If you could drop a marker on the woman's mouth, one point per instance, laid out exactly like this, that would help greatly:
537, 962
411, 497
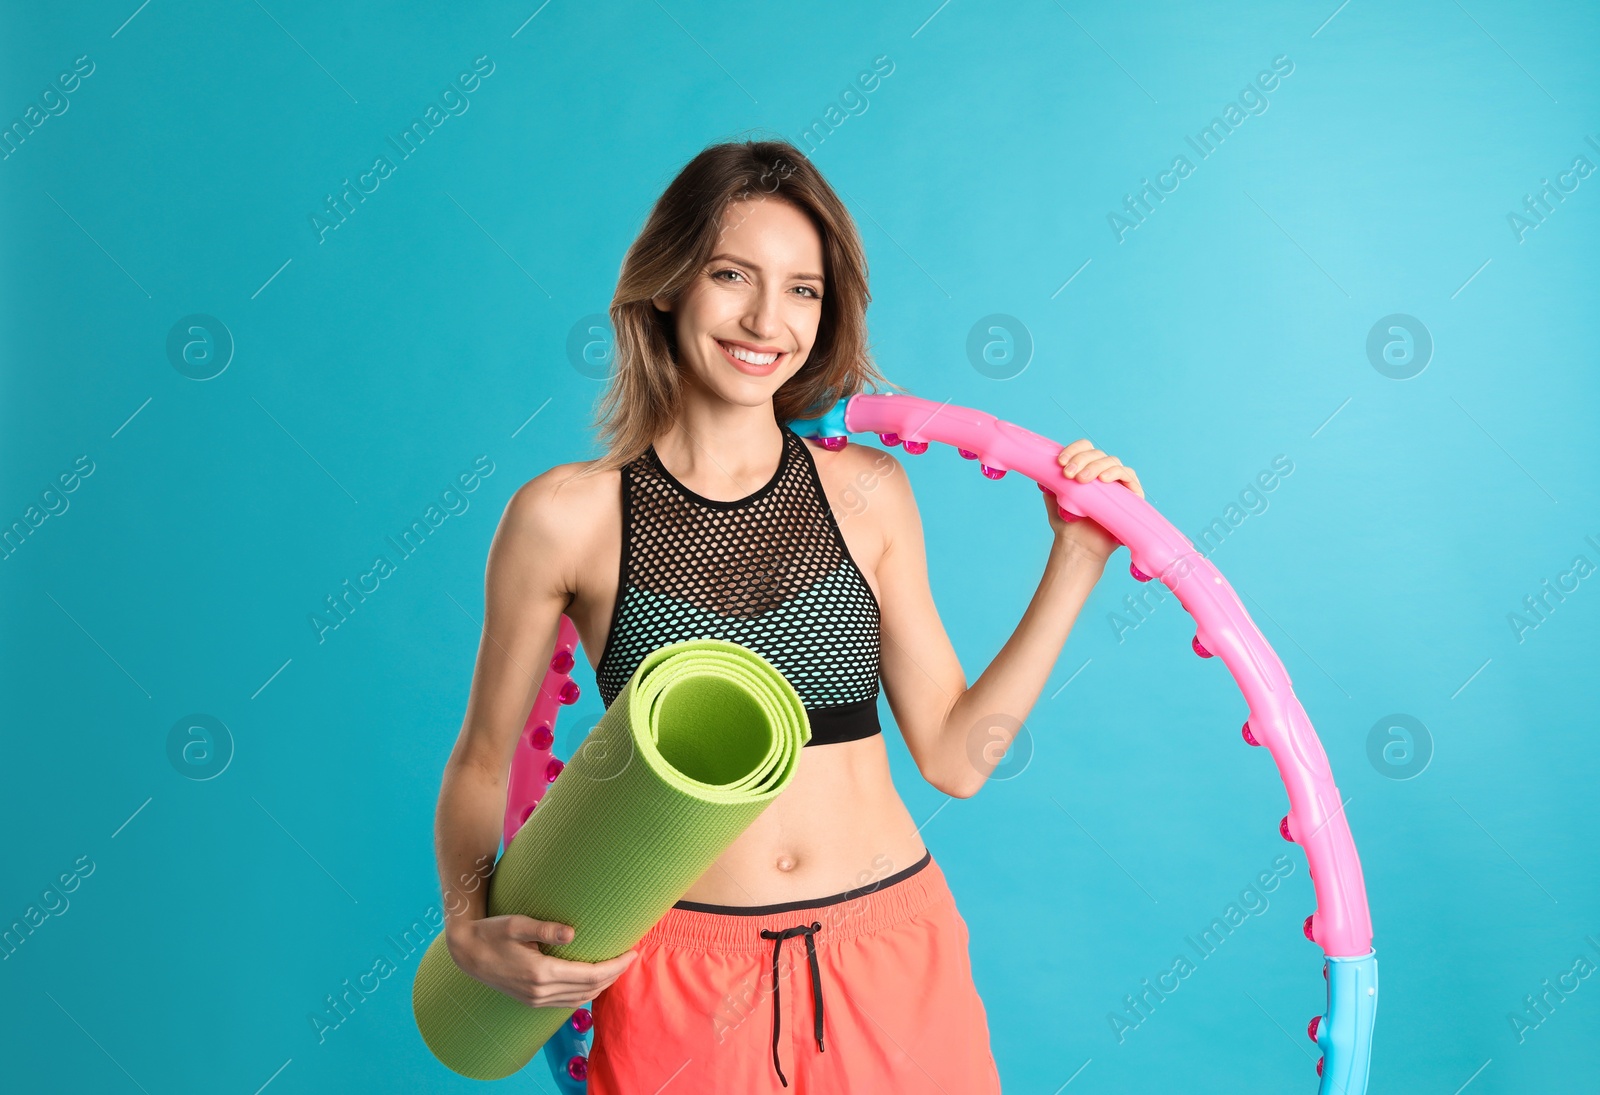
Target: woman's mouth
762, 365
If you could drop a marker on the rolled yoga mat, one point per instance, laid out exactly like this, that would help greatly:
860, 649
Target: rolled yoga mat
699, 741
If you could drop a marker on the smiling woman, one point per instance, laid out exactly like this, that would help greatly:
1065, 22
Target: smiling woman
741, 307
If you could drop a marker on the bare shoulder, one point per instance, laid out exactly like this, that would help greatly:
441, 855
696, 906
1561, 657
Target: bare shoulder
856, 467
564, 493
867, 485
559, 514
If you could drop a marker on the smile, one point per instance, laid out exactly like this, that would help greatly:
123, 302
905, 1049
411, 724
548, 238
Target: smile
748, 361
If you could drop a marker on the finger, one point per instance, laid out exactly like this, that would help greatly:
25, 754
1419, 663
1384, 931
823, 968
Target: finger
1076, 462
1083, 444
528, 930
582, 976
566, 973
1093, 467
1125, 475
613, 967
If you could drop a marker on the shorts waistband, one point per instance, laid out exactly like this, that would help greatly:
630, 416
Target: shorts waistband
861, 910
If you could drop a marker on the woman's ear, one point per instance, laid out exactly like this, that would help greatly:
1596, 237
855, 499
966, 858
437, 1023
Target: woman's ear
662, 304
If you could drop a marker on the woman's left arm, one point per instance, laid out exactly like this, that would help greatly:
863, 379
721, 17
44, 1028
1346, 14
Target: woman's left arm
958, 735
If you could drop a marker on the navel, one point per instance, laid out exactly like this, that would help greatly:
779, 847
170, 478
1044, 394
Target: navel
786, 862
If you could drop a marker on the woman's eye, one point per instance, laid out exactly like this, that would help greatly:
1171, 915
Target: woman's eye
716, 275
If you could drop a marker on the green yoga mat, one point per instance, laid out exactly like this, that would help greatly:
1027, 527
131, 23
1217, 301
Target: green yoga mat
701, 739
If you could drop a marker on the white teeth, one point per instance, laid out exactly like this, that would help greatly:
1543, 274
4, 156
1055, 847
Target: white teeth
745, 355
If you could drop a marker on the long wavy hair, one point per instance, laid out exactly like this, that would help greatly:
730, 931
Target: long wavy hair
645, 390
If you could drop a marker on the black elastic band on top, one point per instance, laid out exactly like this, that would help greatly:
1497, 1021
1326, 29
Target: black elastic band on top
843, 722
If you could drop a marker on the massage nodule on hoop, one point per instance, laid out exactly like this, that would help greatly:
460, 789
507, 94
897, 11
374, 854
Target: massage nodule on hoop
1341, 923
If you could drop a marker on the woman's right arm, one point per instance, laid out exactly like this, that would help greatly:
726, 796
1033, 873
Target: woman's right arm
527, 587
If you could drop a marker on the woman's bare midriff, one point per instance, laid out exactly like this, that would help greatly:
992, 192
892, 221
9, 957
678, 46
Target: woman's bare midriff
840, 823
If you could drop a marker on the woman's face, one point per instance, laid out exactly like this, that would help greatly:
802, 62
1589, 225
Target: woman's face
760, 296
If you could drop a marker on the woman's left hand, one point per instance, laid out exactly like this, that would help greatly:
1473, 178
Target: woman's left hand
1085, 463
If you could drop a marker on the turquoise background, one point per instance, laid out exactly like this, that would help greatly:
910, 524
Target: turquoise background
432, 328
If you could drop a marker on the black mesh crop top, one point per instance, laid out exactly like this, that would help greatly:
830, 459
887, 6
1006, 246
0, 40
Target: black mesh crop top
769, 571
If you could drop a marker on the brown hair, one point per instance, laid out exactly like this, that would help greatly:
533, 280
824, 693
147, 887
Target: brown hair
645, 391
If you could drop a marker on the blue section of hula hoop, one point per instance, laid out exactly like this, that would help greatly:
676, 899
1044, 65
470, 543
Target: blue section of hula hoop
1345, 1033
828, 425
564, 1045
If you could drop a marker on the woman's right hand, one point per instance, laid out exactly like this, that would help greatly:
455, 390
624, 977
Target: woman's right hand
503, 952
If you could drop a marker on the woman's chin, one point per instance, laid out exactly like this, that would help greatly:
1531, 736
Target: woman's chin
742, 389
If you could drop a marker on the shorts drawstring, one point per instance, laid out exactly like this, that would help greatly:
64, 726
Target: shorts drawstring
808, 930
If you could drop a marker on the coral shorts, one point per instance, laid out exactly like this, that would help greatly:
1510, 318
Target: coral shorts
873, 992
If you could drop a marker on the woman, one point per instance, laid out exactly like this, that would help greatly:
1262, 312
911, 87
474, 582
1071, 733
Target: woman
742, 306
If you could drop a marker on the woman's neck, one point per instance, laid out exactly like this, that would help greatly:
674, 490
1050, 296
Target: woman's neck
723, 454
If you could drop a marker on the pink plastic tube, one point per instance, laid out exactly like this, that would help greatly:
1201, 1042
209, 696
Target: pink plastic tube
1341, 924
533, 766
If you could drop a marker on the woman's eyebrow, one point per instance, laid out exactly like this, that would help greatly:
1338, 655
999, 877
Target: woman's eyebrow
753, 266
